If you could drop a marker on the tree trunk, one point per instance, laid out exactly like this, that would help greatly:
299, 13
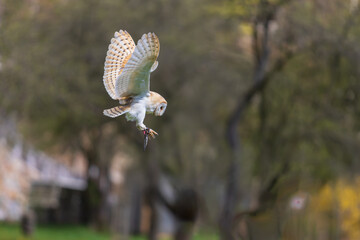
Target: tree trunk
152, 235
261, 56
95, 207
185, 208
90, 197
152, 174
230, 201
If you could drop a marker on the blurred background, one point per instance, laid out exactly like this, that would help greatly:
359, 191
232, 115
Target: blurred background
260, 140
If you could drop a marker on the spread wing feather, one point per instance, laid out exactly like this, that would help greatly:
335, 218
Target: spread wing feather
135, 77
119, 52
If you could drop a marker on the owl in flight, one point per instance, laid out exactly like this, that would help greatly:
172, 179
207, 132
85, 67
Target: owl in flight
127, 78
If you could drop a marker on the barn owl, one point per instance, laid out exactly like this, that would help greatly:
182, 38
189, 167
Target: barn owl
127, 78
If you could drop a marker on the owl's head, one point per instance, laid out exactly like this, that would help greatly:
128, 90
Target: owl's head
159, 103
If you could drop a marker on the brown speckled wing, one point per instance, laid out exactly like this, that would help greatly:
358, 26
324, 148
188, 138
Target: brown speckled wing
118, 54
135, 77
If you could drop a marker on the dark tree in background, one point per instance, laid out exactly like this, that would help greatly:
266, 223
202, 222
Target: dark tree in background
277, 78
265, 14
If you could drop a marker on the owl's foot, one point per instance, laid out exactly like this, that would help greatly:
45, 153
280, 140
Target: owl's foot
149, 131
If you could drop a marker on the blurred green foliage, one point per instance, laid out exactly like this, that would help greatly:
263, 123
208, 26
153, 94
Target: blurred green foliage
307, 116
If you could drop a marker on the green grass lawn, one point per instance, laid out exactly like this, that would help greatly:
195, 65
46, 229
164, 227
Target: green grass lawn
12, 232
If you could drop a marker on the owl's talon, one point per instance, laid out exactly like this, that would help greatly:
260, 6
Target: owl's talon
152, 133
149, 131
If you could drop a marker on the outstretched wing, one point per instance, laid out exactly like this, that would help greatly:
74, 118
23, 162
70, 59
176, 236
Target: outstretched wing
135, 77
120, 50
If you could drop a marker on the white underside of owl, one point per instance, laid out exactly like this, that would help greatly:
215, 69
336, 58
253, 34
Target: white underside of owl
139, 107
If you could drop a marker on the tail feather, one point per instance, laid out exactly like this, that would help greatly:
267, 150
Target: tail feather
116, 111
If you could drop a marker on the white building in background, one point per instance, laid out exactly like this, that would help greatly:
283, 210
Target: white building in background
25, 173
31, 179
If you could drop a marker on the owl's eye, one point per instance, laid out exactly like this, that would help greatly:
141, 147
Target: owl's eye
161, 108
